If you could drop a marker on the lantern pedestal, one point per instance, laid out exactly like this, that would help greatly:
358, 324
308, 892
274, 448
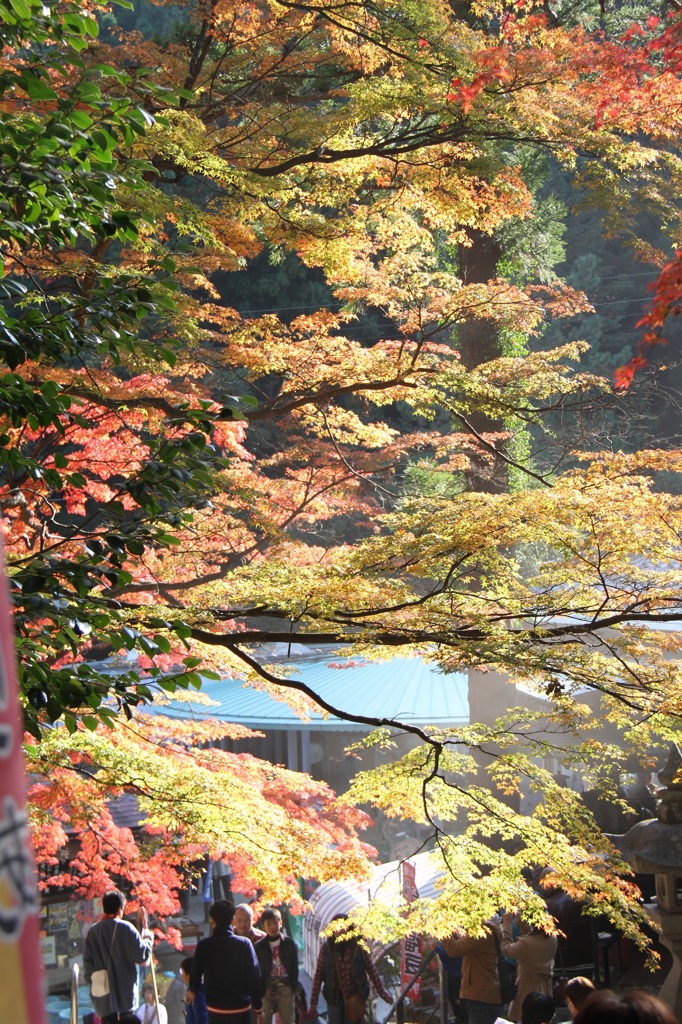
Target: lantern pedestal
669, 927
654, 847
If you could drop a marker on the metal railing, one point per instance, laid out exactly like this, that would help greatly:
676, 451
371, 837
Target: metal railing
74, 994
398, 1005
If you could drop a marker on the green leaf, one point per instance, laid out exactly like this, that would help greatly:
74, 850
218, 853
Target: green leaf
162, 643
168, 356
81, 119
78, 43
37, 89
21, 8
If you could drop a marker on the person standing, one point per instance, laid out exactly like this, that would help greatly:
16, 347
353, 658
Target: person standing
207, 895
480, 980
174, 1000
115, 946
343, 973
278, 960
222, 879
196, 1012
452, 969
534, 952
242, 923
228, 966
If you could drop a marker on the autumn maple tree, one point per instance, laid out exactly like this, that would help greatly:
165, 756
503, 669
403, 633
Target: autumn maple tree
277, 825
660, 52
179, 479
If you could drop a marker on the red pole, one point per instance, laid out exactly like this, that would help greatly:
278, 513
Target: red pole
22, 993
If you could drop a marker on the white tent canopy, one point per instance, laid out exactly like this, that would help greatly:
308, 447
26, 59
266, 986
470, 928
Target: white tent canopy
334, 898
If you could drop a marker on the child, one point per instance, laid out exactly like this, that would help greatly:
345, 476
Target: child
196, 1012
278, 959
146, 1012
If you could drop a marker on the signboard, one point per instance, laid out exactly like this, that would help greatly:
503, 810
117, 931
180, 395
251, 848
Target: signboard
22, 990
48, 951
410, 947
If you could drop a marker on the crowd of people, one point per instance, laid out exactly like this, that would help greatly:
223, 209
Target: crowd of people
238, 975
482, 992
241, 974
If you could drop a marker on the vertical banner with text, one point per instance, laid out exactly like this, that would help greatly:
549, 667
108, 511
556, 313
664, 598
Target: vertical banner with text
410, 947
22, 990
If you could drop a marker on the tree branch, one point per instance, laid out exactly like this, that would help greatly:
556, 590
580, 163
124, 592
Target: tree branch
295, 684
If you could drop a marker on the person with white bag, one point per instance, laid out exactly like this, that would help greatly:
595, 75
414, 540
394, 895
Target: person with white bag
113, 949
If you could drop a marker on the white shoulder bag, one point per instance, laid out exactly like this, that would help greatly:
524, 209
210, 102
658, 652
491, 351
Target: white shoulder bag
99, 980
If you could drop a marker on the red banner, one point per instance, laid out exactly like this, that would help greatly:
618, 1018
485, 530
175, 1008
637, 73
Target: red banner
410, 947
22, 991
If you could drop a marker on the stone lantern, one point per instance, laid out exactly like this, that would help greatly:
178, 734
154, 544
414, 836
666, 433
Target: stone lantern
654, 847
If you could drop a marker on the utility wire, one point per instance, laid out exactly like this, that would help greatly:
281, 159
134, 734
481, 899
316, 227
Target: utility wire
339, 303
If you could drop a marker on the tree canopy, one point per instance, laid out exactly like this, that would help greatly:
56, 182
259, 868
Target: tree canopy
187, 483
277, 826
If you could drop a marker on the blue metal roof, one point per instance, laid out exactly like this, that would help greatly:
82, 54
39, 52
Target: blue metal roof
406, 689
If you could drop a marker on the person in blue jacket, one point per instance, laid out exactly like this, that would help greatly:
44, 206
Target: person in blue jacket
196, 1012
115, 946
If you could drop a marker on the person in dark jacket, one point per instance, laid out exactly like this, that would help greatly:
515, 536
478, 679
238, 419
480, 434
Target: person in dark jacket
115, 946
278, 960
452, 968
227, 964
